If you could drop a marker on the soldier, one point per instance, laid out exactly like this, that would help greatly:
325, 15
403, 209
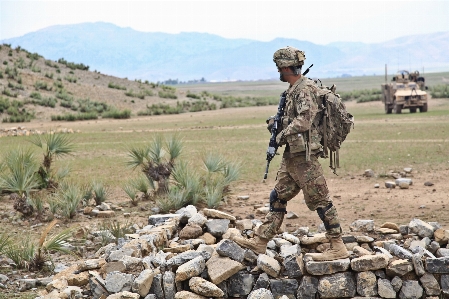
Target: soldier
300, 169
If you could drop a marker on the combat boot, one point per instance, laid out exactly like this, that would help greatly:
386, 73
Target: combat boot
336, 251
256, 244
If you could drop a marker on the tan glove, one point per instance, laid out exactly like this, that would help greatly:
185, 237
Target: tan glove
270, 123
280, 138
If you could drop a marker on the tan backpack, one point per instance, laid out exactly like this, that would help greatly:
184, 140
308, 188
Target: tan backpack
333, 122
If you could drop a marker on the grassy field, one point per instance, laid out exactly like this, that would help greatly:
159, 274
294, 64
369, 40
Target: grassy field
378, 141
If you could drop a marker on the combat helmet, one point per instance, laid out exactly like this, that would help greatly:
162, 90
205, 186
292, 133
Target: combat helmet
288, 56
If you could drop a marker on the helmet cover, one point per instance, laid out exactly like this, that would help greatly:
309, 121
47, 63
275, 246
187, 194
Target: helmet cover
288, 56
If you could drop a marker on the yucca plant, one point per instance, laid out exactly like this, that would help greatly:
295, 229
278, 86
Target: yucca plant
131, 192
5, 241
173, 200
117, 229
187, 178
213, 192
69, 196
155, 161
145, 185
18, 177
29, 255
55, 146
100, 192
38, 204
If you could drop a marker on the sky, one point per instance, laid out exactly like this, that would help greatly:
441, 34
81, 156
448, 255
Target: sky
317, 21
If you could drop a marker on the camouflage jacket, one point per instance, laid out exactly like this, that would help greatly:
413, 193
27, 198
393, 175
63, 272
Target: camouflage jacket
300, 112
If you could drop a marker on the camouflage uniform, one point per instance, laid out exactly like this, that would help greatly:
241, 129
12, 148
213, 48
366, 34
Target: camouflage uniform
300, 168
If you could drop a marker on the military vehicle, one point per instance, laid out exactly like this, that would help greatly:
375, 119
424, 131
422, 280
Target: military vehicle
407, 91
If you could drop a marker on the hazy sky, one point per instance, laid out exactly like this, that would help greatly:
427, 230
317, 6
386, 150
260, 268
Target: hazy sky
317, 21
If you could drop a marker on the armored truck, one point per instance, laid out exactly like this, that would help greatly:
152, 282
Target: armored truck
406, 91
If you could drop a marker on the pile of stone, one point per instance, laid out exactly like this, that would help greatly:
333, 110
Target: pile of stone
189, 254
22, 131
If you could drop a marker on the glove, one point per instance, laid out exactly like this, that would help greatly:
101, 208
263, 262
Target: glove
270, 123
280, 138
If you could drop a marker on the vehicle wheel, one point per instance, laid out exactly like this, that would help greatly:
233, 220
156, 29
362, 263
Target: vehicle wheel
412, 110
397, 109
388, 109
423, 108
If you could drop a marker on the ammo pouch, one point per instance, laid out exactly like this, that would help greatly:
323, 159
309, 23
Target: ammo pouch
296, 143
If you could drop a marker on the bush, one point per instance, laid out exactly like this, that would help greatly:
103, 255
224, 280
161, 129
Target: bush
167, 95
42, 85
116, 86
49, 75
70, 79
73, 66
75, 117
439, 91
46, 102
9, 93
15, 86
193, 95
117, 114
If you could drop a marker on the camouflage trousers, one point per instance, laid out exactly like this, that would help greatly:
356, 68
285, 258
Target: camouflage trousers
294, 175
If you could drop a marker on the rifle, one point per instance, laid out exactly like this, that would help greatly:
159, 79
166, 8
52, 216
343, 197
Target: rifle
272, 145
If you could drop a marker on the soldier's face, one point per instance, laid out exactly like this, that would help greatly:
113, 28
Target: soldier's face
282, 71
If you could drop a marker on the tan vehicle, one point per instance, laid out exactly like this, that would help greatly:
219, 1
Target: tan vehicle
407, 91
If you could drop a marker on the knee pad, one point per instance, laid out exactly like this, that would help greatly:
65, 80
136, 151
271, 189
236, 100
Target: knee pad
274, 198
323, 214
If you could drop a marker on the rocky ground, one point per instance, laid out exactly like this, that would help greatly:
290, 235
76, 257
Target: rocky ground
188, 254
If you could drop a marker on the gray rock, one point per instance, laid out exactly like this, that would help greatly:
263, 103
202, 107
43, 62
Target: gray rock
97, 285
186, 256
260, 294
369, 173
390, 184
44, 280
327, 267
230, 249
268, 265
118, 282
192, 268
362, 226
217, 227
161, 218
385, 289
221, 268
156, 287
349, 239
366, 284
418, 264
403, 229
404, 180
369, 262
26, 284
430, 284
289, 250
383, 251
284, 287
337, 285
421, 228
442, 252
437, 265
444, 283
3, 278
263, 282
150, 296
293, 266
282, 242
250, 256
205, 288
410, 290
396, 283
399, 268
380, 273
197, 219
400, 252
308, 287
433, 247
240, 284
168, 284
142, 283
186, 213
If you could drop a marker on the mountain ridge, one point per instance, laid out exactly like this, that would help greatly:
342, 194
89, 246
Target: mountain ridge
157, 56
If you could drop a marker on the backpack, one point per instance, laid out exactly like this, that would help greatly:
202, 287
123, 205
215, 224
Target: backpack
333, 123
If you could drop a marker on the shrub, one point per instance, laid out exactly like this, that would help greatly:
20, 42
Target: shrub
9, 93
116, 86
167, 95
69, 196
193, 95
440, 91
100, 192
49, 75
75, 117
42, 85
15, 86
117, 114
70, 79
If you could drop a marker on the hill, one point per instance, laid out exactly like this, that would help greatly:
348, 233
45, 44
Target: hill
35, 87
187, 56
